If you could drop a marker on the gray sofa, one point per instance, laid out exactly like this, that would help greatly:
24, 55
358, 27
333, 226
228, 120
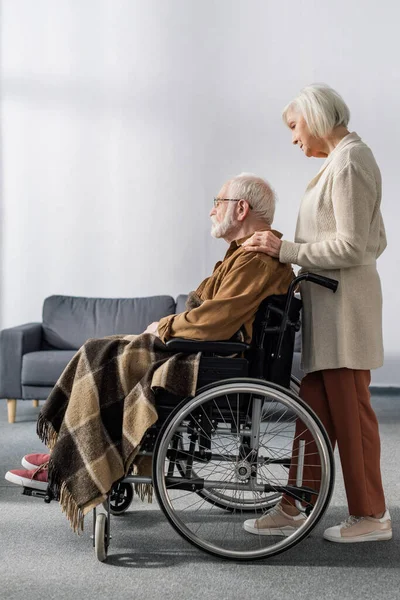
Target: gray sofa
33, 356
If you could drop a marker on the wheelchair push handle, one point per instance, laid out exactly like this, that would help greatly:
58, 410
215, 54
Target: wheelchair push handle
327, 282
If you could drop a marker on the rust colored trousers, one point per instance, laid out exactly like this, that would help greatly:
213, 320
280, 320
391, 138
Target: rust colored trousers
341, 399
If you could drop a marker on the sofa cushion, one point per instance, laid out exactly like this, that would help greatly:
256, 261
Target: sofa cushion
44, 367
69, 321
181, 303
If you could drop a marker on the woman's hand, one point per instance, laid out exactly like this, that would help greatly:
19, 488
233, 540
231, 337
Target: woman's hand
263, 241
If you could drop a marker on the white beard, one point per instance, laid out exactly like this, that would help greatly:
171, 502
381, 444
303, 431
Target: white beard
219, 230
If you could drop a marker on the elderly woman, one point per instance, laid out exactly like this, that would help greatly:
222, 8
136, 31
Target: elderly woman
339, 234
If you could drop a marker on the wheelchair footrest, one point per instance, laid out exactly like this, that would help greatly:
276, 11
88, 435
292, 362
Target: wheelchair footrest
47, 497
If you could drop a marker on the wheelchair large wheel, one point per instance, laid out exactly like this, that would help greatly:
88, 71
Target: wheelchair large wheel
234, 439
295, 384
229, 501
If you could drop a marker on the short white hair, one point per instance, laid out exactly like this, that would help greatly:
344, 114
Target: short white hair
322, 107
257, 192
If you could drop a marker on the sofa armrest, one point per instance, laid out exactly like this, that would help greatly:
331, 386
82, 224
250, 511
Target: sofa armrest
14, 343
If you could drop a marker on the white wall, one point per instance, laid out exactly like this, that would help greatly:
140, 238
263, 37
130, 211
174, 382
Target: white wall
122, 118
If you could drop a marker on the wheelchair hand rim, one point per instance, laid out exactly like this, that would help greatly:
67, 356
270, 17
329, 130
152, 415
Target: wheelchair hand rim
285, 396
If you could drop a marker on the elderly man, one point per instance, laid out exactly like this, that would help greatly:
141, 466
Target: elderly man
227, 301
99, 410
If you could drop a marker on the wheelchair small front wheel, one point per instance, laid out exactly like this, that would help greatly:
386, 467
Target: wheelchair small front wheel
121, 497
235, 441
101, 537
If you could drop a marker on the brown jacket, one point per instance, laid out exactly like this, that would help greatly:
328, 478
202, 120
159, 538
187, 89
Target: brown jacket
230, 297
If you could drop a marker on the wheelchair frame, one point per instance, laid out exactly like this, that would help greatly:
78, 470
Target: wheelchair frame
268, 362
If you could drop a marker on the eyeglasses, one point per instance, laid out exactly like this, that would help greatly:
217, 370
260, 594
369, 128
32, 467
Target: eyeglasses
218, 200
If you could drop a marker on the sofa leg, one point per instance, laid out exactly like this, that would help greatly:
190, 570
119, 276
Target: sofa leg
35, 403
12, 408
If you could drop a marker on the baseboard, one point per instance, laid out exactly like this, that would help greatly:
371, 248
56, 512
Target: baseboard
388, 390
387, 376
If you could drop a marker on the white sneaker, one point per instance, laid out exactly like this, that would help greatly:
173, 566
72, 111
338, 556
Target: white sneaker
275, 522
361, 529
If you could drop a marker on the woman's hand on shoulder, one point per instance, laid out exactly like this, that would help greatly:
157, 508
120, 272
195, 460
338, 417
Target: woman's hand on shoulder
263, 241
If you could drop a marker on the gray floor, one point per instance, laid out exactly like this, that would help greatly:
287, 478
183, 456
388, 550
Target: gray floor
41, 557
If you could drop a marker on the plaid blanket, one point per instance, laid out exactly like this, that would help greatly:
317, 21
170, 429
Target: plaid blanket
96, 415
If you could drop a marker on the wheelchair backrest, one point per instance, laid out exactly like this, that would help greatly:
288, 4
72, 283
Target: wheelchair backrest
266, 360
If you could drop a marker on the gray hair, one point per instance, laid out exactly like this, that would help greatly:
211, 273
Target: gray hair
257, 192
323, 109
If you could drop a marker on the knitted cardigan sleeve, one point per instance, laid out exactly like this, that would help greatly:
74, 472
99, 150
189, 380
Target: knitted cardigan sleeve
353, 203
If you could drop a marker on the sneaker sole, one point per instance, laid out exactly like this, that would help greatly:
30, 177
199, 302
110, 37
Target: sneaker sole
27, 465
25, 482
279, 531
375, 537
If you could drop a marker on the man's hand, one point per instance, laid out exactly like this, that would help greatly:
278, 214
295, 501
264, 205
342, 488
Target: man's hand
152, 328
263, 241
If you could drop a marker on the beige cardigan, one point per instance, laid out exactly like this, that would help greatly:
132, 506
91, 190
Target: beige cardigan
340, 234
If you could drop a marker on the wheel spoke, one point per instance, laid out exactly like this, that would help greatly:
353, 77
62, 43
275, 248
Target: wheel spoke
234, 479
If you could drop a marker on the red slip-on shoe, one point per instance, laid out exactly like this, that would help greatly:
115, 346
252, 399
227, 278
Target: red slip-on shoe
35, 478
34, 461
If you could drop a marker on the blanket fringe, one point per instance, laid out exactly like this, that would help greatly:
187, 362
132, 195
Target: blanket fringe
72, 511
143, 466
144, 491
46, 431
61, 493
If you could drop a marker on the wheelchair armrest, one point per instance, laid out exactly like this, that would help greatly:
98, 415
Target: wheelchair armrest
184, 345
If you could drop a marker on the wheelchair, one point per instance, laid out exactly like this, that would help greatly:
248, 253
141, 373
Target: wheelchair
223, 456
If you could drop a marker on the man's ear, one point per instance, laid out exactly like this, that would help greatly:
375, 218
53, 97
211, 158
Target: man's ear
242, 210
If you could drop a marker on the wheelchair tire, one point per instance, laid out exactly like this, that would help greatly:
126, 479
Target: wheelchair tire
121, 497
101, 537
295, 384
201, 521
